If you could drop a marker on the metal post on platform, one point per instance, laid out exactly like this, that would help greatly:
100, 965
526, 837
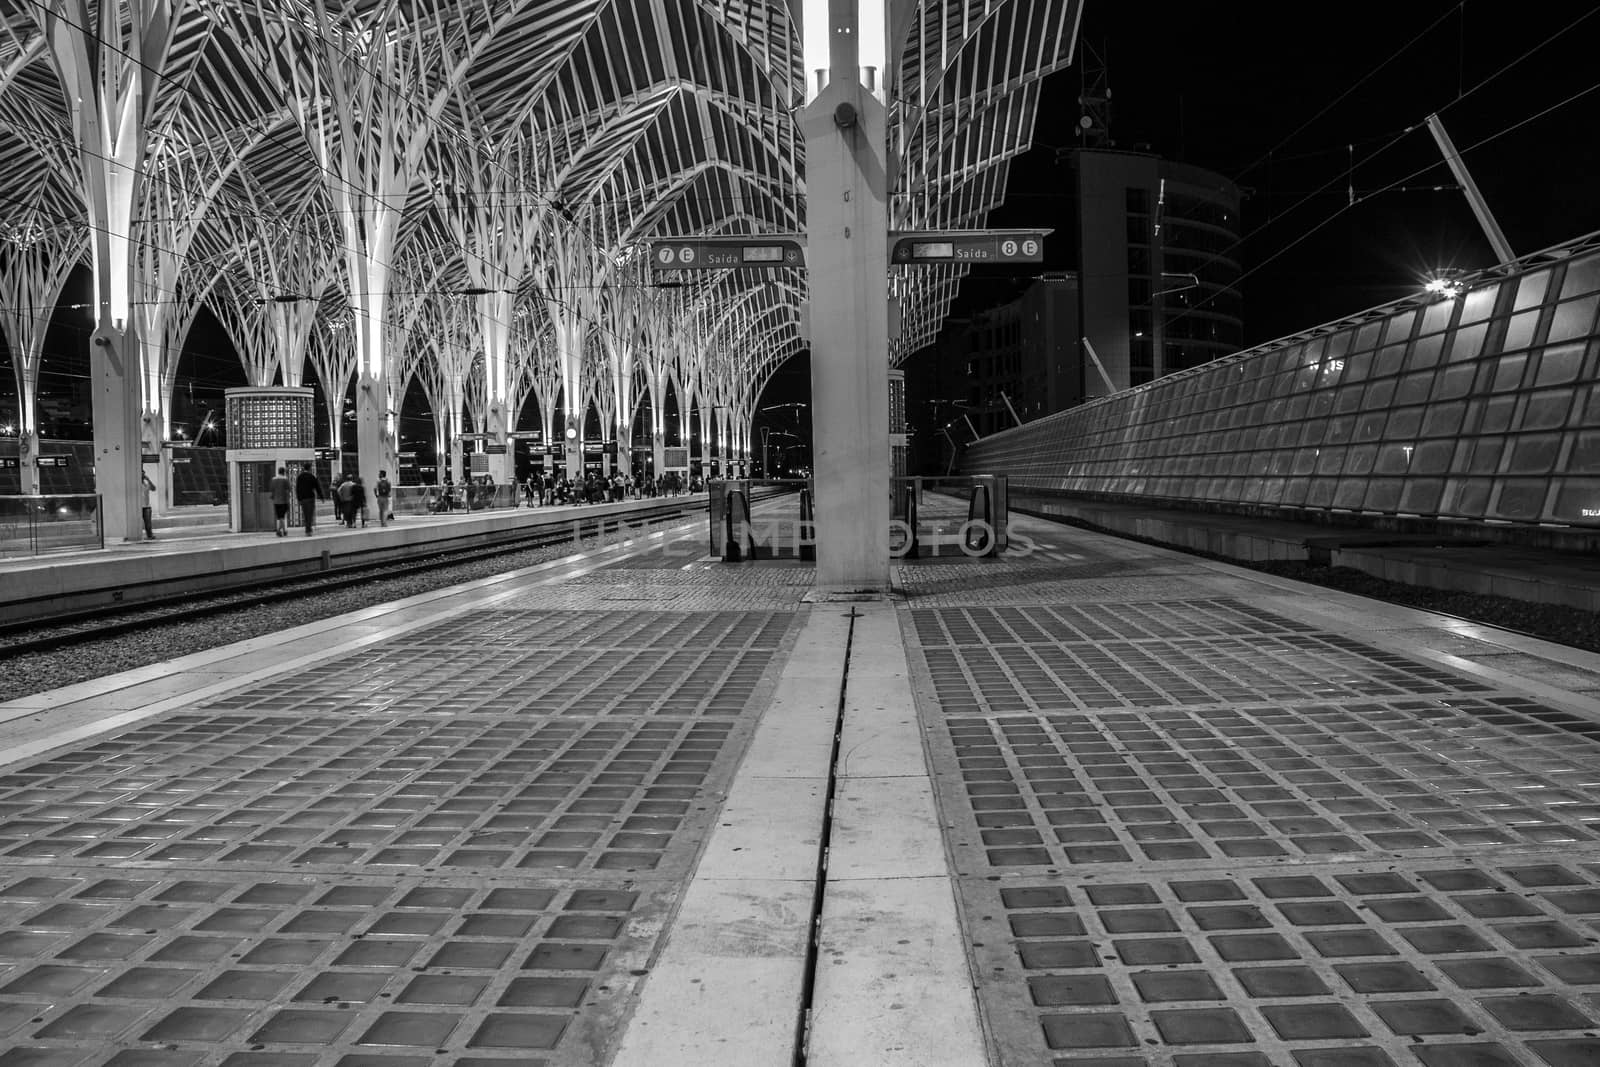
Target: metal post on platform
808, 528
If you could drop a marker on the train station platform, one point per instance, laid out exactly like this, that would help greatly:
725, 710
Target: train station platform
193, 553
1090, 803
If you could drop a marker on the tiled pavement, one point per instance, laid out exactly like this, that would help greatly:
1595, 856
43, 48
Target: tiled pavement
1200, 819
1193, 817
459, 843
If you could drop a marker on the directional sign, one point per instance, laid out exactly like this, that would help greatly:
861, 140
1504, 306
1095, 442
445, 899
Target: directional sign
728, 253
966, 246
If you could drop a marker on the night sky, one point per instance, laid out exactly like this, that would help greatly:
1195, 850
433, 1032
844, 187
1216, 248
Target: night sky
1273, 95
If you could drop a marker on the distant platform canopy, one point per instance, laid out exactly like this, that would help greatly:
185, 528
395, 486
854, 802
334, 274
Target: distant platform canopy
460, 196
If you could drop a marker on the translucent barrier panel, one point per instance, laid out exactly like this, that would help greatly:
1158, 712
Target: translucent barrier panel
1573, 318
1519, 331
1531, 289
1443, 419
1397, 327
1577, 500
1534, 454
1436, 317
1559, 364
1467, 342
1383, 494
1521, 499
1478, 304
1421, 496
1432, 457
1407, 412
1582, 277
1545, 409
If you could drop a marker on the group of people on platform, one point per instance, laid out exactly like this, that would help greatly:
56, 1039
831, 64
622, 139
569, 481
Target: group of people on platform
351, 497
556, 488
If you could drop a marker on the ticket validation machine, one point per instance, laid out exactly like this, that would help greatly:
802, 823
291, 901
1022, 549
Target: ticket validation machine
267, 428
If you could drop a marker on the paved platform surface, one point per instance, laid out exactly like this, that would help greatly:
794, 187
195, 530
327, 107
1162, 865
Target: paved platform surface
1094, 803
1469, 560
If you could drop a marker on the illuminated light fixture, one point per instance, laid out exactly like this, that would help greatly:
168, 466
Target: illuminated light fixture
871, 46
1443, 285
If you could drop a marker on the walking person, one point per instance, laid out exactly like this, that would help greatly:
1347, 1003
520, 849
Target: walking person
279, 489
307, 490
382, 491
345, 502
146, 486
358, 503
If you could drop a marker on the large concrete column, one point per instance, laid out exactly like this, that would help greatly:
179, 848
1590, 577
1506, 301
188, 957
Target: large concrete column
572, 447
152, 443
28, 461
847, 271
114, 385
500, 463
375, 448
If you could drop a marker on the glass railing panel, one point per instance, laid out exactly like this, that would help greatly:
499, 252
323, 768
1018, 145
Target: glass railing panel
36, 525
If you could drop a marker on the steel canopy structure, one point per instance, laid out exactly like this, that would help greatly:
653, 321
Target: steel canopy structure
460, 194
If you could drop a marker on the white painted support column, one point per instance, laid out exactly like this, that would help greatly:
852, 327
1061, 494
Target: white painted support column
114, 384
28, 461
847, 271
375, 449
500, 464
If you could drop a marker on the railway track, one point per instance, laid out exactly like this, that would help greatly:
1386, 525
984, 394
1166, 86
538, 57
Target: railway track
57, 631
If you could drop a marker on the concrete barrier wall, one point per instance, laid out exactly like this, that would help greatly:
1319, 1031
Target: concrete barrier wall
1482, 406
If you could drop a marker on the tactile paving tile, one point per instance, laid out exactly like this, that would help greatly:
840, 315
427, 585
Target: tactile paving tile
366, 791
767, 575
1034, 579
169, 967
1068, 673
1263, 783
1433, 961
1128, 620
724, 588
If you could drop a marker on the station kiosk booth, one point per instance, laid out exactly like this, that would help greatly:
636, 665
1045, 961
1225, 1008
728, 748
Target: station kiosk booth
268, 428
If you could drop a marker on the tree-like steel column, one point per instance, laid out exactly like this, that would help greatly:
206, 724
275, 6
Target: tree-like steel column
105, 64
847, 267
35, 259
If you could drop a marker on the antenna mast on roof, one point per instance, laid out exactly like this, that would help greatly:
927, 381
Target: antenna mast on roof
1094, 97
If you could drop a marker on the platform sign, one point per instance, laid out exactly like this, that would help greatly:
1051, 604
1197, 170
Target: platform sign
494, 448
728, 253
913, 248
55, 461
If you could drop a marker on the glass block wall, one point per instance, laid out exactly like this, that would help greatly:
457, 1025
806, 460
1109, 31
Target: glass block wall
1483, 406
